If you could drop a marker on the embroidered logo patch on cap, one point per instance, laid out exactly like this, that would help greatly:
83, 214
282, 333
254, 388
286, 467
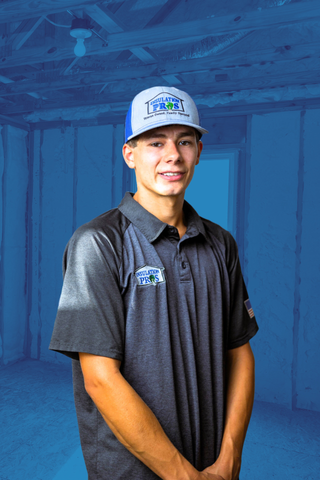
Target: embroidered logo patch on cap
249, 308
164, 102
148, 275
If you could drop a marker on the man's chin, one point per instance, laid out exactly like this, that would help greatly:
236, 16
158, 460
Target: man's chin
172, 194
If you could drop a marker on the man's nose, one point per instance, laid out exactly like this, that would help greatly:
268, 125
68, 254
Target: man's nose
172, 151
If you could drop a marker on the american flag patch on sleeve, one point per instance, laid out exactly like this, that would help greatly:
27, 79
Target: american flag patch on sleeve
249, 308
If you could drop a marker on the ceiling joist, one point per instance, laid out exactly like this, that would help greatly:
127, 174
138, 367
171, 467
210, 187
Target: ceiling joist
124, 93
23, 9
175, 34
137, 46
4, 120
112, 25
307, 55
254, 20
23, 32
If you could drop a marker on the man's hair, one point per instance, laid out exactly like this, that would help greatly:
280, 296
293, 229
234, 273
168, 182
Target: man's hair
134, 141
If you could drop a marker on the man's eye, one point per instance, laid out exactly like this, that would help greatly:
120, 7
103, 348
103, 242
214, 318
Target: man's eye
156, 144
185, 142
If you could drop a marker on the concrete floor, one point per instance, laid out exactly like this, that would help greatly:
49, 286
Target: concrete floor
40, 441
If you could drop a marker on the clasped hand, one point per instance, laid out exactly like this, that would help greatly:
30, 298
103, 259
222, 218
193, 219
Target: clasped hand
222, 469
209, 476
209, 473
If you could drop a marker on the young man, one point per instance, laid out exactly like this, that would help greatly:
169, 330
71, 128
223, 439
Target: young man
156, 317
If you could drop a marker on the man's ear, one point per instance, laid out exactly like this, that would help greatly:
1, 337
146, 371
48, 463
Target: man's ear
128, 155
200, 147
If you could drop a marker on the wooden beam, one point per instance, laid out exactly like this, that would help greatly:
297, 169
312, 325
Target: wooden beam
270, 54
164, 11
108, 22
5, 101
211, 86
18, 10
254, 20
247, 59
7, 81
172, 79
174, 34
112, 24
71, 64
290, 73
261, 108
107, 101
23, 32
277, 66
11, 38
4, 120
258, 83
146, 56
85, 122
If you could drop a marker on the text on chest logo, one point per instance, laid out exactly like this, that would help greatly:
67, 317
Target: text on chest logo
148, 275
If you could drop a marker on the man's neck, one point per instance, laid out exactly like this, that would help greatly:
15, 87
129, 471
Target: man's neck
167, 209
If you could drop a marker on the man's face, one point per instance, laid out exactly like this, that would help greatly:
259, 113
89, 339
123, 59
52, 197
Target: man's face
170, 149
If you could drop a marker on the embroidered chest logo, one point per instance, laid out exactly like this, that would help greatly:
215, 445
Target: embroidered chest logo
148, 275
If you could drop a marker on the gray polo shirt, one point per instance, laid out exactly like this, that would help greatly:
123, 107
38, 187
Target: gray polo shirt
169, 309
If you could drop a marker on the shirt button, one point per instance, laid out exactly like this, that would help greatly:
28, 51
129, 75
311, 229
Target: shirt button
184, 265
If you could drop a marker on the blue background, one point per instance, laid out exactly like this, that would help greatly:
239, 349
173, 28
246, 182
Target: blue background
54, 180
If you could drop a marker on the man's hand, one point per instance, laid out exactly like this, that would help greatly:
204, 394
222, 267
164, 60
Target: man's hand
225, 471
209, 476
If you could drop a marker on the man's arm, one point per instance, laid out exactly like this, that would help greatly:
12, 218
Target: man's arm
132, 421
240, 396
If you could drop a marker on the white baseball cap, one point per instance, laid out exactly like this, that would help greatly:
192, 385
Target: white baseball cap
158, 107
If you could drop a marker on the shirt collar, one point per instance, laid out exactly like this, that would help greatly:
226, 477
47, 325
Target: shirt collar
151, 226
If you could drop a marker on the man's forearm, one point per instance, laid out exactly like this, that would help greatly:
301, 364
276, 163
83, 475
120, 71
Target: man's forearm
240, 397
137, 428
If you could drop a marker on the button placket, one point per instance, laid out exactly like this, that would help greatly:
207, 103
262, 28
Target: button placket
184, 267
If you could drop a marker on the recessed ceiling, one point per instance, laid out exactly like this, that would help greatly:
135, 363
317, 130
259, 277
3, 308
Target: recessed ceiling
228, 55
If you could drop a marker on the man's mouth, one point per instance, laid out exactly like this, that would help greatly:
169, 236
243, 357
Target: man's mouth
172, 175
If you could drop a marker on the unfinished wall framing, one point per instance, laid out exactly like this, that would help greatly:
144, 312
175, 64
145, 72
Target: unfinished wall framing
54, 180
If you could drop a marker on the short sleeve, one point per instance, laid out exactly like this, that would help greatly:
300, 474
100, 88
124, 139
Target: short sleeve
242, 325
90, 315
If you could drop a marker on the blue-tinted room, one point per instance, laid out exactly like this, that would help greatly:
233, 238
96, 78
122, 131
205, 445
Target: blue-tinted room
69, 70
